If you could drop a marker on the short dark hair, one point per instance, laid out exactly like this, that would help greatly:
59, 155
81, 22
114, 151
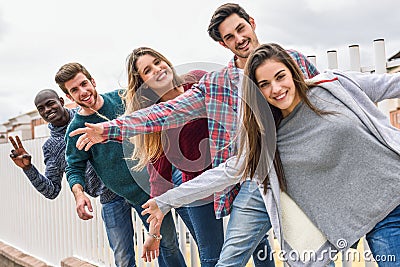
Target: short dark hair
48, 91
69, 71
221, 14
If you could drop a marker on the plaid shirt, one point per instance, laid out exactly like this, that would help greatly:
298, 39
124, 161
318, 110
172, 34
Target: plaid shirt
215, 98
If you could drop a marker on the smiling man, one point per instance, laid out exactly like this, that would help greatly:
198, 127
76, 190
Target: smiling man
109, 160
114, 208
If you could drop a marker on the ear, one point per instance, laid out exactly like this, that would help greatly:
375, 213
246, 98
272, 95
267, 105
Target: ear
252, 23
222, 43
69, 97
61, 101
93, 82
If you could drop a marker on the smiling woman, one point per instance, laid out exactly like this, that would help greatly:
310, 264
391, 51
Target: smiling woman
152, 79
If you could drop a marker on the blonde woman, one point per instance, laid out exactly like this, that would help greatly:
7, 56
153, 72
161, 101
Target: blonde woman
152, 79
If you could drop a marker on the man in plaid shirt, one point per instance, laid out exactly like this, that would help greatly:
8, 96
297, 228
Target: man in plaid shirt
217, 97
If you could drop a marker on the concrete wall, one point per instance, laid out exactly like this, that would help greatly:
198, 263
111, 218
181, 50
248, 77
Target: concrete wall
12, 257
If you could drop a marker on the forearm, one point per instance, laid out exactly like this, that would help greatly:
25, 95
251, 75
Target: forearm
48, 186
378, 87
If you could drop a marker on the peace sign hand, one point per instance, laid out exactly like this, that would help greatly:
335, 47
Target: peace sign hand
19, 155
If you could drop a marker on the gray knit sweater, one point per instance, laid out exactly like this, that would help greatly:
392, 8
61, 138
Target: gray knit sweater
49, 184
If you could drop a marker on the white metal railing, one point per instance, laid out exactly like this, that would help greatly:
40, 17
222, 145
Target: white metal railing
50, 230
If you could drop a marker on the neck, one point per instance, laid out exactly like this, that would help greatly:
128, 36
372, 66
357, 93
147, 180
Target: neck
240, 62
171, 94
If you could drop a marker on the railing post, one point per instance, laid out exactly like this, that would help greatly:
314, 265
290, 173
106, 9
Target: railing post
332, 59
379, 56
355, 64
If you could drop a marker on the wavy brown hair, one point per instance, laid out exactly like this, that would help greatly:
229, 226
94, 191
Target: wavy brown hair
258, 141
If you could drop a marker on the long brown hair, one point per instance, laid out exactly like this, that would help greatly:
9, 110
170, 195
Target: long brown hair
258, 138
148, 147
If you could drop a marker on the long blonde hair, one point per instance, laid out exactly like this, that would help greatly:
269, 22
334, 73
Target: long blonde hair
148, 147
258, 135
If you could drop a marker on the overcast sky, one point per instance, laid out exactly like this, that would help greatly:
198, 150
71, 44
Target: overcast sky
37, 37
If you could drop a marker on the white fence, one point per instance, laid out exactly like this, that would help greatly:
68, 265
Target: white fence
50, 230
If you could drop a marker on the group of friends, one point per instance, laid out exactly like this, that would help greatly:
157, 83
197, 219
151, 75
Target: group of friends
264, 138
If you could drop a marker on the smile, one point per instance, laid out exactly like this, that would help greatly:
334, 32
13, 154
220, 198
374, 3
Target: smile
161, 76
281, 96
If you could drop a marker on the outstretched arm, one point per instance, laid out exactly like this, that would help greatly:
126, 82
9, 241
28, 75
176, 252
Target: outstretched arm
165, 115
209, 182
377, 87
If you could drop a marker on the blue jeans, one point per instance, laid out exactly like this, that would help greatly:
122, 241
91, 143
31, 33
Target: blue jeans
209, 233
118, 221
247, 229
206, 230
117, 218
384, 240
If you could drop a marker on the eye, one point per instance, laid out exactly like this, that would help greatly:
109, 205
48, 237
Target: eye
281, 76
157, 61
263, 85
229, 37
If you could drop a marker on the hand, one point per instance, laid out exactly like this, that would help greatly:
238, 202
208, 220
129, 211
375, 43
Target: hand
19, 155
151, 249
91, 134
82, 201
156, 215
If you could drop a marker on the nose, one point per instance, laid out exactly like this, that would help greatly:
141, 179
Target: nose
47, 109
275, 87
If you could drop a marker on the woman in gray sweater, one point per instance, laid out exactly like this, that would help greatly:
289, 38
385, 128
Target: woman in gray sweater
339, 156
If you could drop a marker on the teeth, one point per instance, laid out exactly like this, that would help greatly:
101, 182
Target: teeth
243, 45
51, 115
162, 75
86, 99
279, 97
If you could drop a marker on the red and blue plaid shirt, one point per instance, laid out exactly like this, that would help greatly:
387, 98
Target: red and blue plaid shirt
215, 98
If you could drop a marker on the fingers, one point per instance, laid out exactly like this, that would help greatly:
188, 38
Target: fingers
88, 145
149, 255
144, 212
83, 214
13, 142
77, 131
19, 143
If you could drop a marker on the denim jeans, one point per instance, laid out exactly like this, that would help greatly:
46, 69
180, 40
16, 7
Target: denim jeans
207, 231
247, 229
118, 222
384, 240
117, 218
